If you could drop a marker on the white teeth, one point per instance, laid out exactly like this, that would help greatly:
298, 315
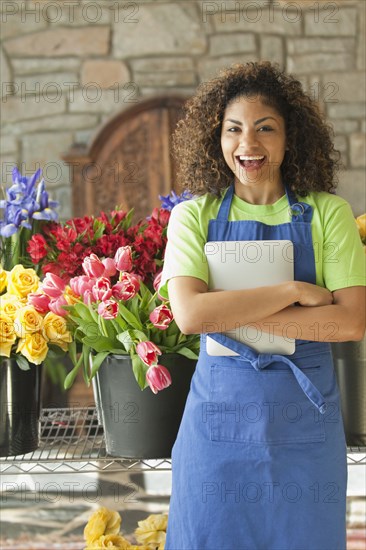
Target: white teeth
243, 157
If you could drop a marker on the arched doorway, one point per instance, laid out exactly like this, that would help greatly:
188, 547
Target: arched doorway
129, 161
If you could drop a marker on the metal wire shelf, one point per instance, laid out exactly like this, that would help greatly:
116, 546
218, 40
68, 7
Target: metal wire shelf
72, 441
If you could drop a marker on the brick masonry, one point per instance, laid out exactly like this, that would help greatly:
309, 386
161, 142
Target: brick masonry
66, 67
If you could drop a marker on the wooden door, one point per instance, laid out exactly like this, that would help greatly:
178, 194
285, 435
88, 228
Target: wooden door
129, 162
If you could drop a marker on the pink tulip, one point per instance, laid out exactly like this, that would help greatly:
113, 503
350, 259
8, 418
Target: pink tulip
127, 287
148, 353
88, 297
161, 317
102, 289
123, 258
56, 304
108, 309
53, 285
158, 377
110, 267
93, 266
157, 281
40, 302
79, 285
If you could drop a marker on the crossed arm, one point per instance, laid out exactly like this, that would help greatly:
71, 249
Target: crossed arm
319, 315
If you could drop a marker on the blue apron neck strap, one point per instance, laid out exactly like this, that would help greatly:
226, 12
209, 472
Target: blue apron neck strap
224, 210
300, 211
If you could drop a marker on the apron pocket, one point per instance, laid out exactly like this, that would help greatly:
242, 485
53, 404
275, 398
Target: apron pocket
263, 407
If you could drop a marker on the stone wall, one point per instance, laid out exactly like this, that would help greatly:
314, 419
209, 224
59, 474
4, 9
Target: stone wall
68, 65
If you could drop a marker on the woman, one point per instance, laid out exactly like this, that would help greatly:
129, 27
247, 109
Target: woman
260, 457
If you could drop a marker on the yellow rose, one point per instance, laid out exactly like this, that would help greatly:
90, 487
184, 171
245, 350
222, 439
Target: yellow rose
22, 281
10, 304
7, 334
3, 279
102, 522
70, 296
361, 224
152, 530
113, 542
55, 330
33, 347
27, 320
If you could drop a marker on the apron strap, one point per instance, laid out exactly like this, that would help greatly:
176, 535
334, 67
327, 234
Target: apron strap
223, 214
299, 211
260, 361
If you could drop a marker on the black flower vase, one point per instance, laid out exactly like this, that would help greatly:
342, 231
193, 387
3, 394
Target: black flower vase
138, 423
20, 396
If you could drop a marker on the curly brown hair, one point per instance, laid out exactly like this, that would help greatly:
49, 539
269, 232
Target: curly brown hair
311, 162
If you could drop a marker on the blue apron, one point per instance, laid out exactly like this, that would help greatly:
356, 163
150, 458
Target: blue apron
259, 462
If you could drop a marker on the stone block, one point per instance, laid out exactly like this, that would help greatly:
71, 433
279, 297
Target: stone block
8, 144
17, 109
363, 126
318, 45
5, 76
334, 20
76, 14
346, 110
52, 123
62, 194
165, 78
106, 73
47, 85
262, 18
209, 67
16, 20
271, 49
61, 42
44, 150
94, 100
340, 143
350, 86
352, 187
361, 39
358, 150
311, 62
160, 28
42, 66
146, 65
231, 43
344, 126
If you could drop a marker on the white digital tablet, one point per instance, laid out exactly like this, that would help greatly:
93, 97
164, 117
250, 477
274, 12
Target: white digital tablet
237, 265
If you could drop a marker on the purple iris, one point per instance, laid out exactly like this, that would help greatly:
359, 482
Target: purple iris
169, 201
25, 201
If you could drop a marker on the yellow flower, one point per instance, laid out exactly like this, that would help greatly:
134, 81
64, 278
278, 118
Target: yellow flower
3, 279
33, 347
102, 522
113, 542
7, 334
70, 296
361, 224
22, 281
55, 330
10, 304
152, 530
27, 320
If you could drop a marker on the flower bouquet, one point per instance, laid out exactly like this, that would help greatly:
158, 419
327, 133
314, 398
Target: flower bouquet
103, 531
361, 224
31, 328
105, 273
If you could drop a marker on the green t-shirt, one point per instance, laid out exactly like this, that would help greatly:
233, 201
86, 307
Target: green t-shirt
339, 254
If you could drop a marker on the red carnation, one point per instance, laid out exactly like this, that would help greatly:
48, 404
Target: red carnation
37, 248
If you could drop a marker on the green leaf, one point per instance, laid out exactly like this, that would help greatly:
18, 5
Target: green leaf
96, 361
126, 339
187, 353
100, 344
69, 380
170, 341
22, 362
84, 311
129, 317
139, 370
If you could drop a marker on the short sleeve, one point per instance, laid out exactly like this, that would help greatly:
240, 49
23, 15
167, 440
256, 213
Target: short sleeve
184, 254
344, 263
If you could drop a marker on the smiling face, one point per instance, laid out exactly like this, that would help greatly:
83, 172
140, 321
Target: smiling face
253, 142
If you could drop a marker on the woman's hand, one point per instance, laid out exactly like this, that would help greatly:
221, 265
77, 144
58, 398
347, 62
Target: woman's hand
313, 295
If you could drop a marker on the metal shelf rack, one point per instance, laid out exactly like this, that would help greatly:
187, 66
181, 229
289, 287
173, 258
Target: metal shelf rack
72, 441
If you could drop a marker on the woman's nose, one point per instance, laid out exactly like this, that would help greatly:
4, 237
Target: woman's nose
248, 137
